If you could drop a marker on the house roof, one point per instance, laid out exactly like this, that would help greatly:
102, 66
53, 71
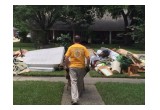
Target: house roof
104, 24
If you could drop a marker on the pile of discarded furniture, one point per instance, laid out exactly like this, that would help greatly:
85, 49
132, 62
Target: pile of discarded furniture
18, 63
118, 61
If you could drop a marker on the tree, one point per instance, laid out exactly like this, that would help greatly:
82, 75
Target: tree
77, 16
18, 22
40, 17
130, 13
137, 25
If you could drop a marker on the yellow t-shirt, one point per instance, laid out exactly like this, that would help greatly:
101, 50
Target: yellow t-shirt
77, 54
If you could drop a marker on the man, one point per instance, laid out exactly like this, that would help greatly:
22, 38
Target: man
75, 63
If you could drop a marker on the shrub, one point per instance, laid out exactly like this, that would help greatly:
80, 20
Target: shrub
64, 40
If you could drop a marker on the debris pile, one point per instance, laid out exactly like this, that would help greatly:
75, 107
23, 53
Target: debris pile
112, 61
37, 60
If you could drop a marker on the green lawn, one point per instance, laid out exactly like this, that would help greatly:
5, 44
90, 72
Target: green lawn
30, 46
18, 45
94, 73
122, 93
37, 93
129, 48
60, 73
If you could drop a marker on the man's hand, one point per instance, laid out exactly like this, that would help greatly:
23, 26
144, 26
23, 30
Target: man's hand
67, 73
67, 69
87, 69
66, 64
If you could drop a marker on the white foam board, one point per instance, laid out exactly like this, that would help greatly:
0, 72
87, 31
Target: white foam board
43, 58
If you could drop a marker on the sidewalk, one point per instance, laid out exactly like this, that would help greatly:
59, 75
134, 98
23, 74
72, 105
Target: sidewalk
90, 81
90, 95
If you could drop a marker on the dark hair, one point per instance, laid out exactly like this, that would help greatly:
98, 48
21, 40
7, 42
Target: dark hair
106, 53
77, 38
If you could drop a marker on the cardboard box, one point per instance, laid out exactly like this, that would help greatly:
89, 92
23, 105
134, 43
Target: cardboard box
132, 70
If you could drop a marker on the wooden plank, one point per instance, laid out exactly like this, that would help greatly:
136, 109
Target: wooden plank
105, 70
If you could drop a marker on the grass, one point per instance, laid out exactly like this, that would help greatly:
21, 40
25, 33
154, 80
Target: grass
94, 73
18, 45
30, 46
122, 93
41, 73
37, 93
129, 48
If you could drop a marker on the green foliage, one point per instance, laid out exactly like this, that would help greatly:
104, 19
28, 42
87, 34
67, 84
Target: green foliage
42, 17
122, 93
116, 10
124, 62
35, 17
136, 15
23, 37
20, 21
137, 26
64, 40
37, 93
138, 32
77, 15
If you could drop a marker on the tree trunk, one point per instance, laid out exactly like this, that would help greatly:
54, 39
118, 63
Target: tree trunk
127, 38
45, 38
125, 19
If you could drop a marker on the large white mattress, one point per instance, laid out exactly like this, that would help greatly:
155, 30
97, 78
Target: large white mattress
44, 58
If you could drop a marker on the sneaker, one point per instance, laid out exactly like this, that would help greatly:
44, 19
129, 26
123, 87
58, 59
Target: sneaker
74, 103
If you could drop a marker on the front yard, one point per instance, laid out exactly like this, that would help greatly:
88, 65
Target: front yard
122, 93
50, 93
37, 93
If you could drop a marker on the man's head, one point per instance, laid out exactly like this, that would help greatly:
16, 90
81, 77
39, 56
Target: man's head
76, 39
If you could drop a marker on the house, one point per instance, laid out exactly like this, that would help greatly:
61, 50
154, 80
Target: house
104, 30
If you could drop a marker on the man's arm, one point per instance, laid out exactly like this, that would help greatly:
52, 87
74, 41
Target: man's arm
88, 61
67, 61
87, 66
